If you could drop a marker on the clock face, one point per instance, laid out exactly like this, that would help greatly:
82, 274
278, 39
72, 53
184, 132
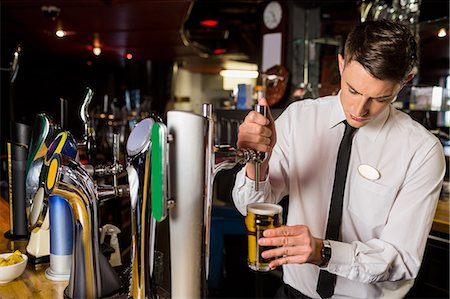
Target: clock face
272, 15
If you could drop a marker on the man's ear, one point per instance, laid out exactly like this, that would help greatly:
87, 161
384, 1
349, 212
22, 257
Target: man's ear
341, 63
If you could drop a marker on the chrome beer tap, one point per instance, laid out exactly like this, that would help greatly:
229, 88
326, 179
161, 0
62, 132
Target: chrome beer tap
260, 156
190, 164
45, 129
223, 157
143, 225
106, 192
91, 275
89, 132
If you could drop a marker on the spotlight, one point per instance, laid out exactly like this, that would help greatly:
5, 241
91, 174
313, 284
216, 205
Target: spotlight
60, 33
97, 51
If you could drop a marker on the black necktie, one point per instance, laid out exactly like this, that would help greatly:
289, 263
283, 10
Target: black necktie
327, 281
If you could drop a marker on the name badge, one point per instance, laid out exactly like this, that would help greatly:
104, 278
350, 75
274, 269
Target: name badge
368, 172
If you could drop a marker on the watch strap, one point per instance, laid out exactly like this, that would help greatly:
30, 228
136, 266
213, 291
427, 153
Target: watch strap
325, 253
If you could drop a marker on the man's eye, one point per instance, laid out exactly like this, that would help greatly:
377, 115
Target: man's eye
383, 100
352, 91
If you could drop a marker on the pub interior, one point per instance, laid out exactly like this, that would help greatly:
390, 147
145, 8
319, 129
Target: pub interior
118, 132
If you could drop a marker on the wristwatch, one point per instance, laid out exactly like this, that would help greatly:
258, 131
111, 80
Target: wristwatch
325, 253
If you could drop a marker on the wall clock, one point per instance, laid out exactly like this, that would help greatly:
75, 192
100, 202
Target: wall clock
272, 15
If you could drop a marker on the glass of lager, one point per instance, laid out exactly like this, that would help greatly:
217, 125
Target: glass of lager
260, 216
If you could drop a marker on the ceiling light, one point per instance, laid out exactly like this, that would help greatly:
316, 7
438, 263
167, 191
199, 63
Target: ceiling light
209, 23
129, 56
60, 33
239, 74
97, 51
442, 33
219, 51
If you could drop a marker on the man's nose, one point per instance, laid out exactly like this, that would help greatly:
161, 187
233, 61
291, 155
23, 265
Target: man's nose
362, 106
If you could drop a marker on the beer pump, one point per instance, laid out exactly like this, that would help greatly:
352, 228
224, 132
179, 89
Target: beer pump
44, 131
52, 211
260, 156
184, 163
143, 225
91, 275
88, 146
88, 143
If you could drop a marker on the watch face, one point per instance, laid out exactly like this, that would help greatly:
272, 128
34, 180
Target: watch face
272, 15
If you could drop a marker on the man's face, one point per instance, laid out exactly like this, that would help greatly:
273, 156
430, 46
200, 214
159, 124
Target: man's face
363, 96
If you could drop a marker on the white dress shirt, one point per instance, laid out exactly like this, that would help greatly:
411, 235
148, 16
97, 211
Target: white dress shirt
385, 222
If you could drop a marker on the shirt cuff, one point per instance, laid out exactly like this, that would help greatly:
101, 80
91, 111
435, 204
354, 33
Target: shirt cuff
341, 257
250, 184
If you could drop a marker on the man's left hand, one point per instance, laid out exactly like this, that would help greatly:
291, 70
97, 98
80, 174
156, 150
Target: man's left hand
295, 245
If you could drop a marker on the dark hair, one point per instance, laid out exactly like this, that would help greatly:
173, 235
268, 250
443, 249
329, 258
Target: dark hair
386, 49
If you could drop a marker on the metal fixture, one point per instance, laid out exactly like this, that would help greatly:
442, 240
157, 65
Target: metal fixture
143, 225
91, 275
192, 161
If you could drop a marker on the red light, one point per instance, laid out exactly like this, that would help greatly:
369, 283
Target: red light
129, 56
219, 51
209, 23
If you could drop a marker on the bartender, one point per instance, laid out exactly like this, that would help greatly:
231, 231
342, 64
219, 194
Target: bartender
363, 178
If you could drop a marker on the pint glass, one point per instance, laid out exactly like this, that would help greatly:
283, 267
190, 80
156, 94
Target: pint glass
260, 216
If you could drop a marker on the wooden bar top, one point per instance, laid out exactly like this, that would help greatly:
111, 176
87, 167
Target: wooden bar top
33, 283
441, 222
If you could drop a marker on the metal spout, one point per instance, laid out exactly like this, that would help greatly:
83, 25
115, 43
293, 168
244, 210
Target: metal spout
89, 132
106, 192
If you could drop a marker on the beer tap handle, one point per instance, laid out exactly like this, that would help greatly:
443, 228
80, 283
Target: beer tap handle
160, 190
116, 153
260, 156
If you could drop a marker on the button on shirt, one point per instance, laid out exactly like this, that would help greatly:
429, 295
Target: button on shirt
385, 222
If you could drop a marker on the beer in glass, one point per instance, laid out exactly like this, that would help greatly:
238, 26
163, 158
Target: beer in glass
260, 216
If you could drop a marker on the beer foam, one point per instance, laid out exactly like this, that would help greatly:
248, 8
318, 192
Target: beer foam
264, 208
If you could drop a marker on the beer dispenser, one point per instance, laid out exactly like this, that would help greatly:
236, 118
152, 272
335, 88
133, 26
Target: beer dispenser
45, 130
143, 225
184, 163
51, 219
91, 275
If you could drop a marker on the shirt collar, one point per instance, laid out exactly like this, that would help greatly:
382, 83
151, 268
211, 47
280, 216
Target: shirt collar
371, 130
337, 114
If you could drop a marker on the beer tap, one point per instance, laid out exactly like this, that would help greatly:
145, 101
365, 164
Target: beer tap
260, 156
89, 133
143, 225
116, 153
106, 192
91, 275
45, 129
38, 247
190, 153
219, 157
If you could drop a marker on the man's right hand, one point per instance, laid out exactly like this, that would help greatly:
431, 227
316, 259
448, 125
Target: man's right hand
258, 133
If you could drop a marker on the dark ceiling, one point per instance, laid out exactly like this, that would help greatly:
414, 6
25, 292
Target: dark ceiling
150, 30
154, 29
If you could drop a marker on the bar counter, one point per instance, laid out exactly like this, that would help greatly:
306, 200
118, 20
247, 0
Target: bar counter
33, 284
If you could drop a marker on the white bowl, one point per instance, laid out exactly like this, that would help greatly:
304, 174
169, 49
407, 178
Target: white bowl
11, 272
